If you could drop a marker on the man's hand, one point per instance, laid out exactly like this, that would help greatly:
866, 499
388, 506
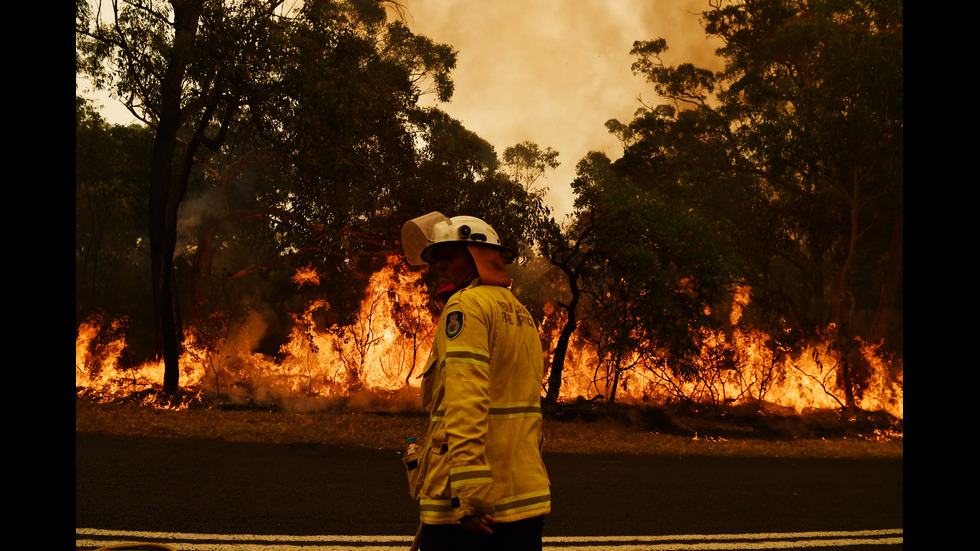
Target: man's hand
479, 524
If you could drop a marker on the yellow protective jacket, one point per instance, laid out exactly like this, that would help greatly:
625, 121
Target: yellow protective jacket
482, 390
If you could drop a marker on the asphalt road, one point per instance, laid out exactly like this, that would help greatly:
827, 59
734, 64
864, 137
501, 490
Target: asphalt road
210, 487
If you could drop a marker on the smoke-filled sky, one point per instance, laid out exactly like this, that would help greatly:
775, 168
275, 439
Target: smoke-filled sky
549, 71
554, 71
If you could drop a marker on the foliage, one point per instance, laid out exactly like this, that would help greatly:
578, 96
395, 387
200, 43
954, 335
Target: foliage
784, 169
526, 163
286, 140
111, 267
795, 148
649, 266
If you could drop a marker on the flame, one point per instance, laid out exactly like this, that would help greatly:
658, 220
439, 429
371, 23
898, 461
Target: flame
796, 381
306, 275
379, 355
379, 358
104, 373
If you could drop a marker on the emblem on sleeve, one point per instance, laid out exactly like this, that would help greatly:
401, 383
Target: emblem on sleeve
454, 324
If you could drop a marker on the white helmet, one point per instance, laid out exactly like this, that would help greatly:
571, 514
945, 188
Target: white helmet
421, 235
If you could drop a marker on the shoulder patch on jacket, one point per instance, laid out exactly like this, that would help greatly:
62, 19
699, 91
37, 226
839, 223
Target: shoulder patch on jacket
454, 324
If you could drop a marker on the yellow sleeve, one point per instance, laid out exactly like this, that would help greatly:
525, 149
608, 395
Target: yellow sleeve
467, 400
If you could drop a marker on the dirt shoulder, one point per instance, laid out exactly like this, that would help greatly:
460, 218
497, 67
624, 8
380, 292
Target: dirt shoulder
569, 428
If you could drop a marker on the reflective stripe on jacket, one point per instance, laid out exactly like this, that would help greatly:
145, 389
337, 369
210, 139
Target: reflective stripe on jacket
482, 390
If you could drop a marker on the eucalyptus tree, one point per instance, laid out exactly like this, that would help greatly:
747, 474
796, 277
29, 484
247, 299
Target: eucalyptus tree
185, 68
662, 273
323, 91
526, 163
571, 249
802, 133
643, 271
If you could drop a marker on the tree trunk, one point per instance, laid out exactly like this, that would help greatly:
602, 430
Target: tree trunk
843, 299
561, 347
558, 360
166, 193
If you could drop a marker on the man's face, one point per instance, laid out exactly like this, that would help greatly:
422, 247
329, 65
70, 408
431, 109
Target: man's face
454, 264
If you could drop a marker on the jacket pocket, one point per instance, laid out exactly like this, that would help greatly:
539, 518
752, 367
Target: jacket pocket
413, 469
435, 482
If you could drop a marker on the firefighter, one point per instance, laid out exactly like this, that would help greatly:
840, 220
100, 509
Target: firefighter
480, 479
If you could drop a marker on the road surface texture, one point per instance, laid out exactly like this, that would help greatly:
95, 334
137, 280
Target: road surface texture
201, 495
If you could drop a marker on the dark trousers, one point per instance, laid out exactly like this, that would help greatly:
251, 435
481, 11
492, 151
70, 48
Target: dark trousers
522, 535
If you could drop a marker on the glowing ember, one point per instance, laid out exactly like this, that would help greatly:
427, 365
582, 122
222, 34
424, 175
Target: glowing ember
306, 275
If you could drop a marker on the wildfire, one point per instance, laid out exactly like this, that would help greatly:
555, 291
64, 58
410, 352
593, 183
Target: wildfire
374, 358
379, 357
757, 372
99, 368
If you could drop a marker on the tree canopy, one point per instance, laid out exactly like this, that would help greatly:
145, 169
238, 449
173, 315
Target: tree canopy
794, 152
298, 136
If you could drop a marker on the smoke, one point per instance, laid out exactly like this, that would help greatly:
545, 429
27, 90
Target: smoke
190, 214
554, 71
549, 71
